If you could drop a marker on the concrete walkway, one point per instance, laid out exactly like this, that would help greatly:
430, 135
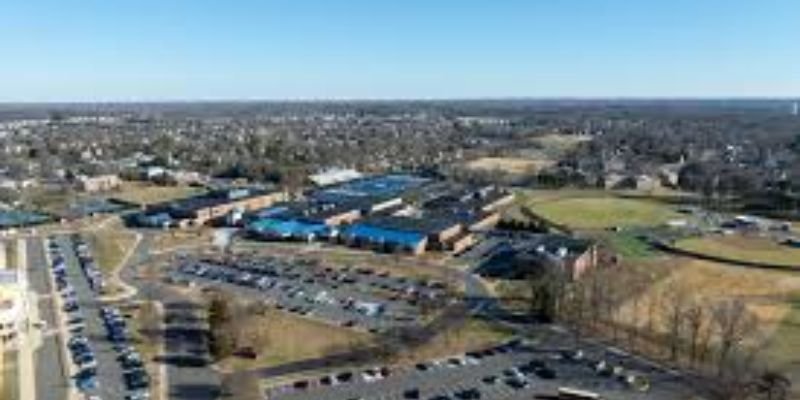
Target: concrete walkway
30, 338
126, 291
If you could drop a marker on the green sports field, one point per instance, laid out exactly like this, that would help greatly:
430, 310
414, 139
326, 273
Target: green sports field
603, 212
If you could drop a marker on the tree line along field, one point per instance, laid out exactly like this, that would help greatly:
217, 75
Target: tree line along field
770, 297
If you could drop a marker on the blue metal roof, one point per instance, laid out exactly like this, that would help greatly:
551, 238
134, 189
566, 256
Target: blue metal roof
272, 211
158, 219
378, 234
382, 185
15, 218
287, 228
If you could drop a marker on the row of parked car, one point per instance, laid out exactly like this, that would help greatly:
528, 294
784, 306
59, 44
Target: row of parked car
347, 307
80, 349
136, 378
88, 265
516, 374
308, 271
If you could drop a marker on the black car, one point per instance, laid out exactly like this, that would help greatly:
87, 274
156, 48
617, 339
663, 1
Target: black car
468, 394
136, 379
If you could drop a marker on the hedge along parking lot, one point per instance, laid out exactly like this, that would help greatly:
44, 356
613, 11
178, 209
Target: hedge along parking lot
357, 298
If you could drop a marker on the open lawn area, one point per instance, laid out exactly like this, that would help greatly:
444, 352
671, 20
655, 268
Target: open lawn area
145, 193
627, 245
745, 248
469, 335
174, 239
285, 338
785, 344
511, 165
110, 244
602, 211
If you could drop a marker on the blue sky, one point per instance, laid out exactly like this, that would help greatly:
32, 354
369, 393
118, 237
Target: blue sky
103, 50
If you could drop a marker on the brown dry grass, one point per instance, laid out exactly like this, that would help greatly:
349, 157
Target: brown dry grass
511, 165
765, 293
110, 244
175, 238
145, 193
746, 248
470, 335
281, 338
560, 141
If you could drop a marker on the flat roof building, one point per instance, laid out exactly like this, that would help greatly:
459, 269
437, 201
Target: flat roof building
202, 209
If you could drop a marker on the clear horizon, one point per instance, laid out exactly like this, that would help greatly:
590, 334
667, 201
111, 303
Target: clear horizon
357, 50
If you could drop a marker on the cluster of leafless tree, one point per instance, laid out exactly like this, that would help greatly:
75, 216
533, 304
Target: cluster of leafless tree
231, 330
716, 340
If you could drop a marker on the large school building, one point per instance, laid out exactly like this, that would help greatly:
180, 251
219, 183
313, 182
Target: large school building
205, 208
390, 213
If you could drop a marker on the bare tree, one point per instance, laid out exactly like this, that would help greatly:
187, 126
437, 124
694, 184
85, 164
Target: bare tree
573, 311
733, 324
676, 305
697, 319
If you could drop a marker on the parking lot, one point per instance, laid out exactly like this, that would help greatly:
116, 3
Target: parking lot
358, 298
512, 370
98, 341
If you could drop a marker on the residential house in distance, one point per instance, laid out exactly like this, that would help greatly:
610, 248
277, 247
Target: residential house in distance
99, 183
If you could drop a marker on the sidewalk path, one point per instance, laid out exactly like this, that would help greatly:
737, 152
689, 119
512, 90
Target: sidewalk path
30, 338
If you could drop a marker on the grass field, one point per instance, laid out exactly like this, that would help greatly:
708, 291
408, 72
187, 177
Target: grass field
602, 211
470, 335
745, 248
182, 238
288, 338
556, 145
145, 193
511, 165
785, 344
627, 245
110, 244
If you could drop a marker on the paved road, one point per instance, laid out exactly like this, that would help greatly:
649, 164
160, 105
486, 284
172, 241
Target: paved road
184, 335
51, 380
109, 371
